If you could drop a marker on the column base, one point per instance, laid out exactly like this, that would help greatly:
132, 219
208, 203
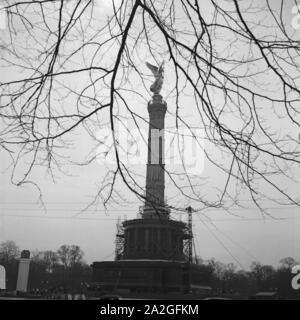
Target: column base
158, 212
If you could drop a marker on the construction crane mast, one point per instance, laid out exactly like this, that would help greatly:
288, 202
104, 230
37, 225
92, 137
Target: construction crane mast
190, 234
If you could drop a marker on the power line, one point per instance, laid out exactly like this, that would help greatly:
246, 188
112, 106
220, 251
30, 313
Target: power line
128, 202
221, 243
127, 210
60, 202
115, 219
234, 242
70, 210
56, 217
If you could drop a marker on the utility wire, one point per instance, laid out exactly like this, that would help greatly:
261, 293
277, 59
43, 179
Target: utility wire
134, 214
248, 253
221, 243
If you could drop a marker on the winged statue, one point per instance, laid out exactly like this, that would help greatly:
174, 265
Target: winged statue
158, 73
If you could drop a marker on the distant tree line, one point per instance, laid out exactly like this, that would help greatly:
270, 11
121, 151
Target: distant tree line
64, 269
227, 279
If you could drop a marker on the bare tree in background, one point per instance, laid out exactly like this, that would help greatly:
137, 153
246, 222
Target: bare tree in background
69, 255
9, 258
235, 62
50, 259
9, 251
